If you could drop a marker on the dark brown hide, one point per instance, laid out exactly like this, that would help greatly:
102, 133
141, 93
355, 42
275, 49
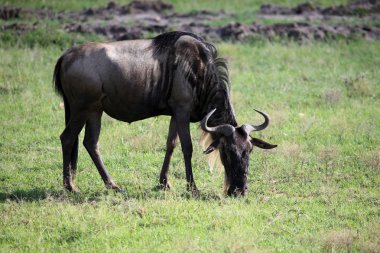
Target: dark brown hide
176, 74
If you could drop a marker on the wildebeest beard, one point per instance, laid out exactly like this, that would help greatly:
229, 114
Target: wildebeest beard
236, 170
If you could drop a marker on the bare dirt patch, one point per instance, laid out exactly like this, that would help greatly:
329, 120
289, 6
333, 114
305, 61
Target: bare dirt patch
135, 20
140, 19
299, 31
7, 12
357, 8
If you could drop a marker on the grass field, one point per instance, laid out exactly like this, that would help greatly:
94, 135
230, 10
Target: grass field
318, 191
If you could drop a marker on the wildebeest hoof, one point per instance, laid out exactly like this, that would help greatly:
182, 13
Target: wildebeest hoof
237, 192
114, 187
165, 186
120, 190
71, 188
194, 191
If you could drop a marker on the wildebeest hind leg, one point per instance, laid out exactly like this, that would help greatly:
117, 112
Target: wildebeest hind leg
91, 137
74, 152
69, 139
74, 159
170, 145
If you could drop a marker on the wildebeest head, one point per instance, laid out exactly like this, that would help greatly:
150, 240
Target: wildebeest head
235, 145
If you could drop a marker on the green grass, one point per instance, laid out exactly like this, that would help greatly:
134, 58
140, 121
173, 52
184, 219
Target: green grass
318, 191
321, 181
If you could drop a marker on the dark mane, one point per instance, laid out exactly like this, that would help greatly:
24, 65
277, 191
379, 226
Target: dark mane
213, 90
164, 42
219, 87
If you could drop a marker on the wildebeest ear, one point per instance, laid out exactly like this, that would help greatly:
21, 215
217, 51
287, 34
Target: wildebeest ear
212, 147
262, 144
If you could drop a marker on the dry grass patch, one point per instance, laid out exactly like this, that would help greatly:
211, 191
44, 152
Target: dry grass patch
146, 142
238, 248
328, 158
332, 96
371, 244
278, 117
338, 241
329, 155
372, 159
369, 129
358, 86
339, 122
308, 122
292, 150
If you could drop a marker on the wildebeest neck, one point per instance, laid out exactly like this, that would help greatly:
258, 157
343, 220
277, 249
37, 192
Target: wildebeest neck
224, 113
218, 95
207, 74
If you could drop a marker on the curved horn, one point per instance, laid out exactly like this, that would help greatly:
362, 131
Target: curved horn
249, 128
224, 129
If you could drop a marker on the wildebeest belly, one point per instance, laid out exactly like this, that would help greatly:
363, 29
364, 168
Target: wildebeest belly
130, 112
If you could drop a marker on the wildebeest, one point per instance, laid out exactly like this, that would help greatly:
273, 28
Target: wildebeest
176, 74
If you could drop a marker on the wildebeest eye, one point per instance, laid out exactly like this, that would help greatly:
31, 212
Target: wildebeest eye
244, 154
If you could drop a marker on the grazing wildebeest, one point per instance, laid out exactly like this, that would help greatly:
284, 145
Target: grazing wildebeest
176, 74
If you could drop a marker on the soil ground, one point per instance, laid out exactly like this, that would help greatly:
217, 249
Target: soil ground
139, 19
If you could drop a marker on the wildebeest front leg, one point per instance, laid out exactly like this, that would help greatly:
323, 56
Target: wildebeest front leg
93, 126
183, 127
170, 145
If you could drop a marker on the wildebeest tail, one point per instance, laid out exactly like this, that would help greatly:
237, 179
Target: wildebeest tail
58, 87
57, 77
